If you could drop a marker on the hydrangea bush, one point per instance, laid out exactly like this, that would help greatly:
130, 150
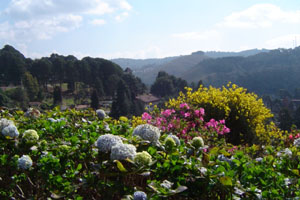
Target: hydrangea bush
179, 154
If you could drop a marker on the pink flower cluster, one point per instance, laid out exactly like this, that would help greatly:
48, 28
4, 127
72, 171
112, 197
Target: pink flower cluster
291, 137
185, 122
218, 126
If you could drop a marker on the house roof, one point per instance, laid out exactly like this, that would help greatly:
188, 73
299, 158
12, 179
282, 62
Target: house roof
147, 98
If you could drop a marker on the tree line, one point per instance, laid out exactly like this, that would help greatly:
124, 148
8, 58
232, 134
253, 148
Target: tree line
103, 77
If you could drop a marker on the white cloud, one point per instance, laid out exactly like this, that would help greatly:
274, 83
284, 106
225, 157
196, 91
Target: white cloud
98, 22
121, 17
260, 16
44, 28
43, 19
20, 9
6, 32
284, 41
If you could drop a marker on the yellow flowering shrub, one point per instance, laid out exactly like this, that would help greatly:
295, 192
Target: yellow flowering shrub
137, 121
244, 112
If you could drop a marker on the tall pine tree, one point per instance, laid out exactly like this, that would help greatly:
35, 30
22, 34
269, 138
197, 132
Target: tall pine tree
122, 104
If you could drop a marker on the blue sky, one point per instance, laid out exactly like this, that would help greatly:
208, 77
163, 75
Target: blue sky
146, 28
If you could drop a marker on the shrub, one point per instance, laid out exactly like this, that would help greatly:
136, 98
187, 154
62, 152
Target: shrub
244, 112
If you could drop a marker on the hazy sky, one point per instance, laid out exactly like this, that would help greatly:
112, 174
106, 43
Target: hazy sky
146, 28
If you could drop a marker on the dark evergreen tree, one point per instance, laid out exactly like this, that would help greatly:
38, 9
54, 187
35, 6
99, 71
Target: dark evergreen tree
57, 95
99, 87
94, 100
297, 117
162, 87
122, 104
285, 119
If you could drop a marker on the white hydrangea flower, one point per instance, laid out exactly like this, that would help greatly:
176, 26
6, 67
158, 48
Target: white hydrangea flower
122, 151
258, 193
24, 162
197, 142
297, 142
166, 184
147, 132
287, 181
203, 170
10, 131
4, 123
101, 113
107, 141
30, 135
175, 138
238, 191
52, 120
285, 152
143, 158
106, 127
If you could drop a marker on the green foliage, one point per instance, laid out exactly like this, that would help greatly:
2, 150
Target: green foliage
67, 165
95, 73
31, 86
166, 85
3, 98
263, 73
18, 96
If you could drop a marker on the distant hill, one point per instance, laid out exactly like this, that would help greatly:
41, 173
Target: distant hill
263, 73
221, 54
135, 64
147, 69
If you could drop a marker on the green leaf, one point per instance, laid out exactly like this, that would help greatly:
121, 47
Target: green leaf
120, 166
226, 181
79, 167
205, 159
225, 153
295, 171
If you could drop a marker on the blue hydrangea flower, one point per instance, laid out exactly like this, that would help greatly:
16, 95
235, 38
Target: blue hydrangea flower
24, 162
107, 141
147, 132
122, 151
139, 195
101, 113
10, 131
175, 138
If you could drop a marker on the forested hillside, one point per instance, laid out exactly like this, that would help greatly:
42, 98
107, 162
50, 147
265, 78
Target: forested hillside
33, 79
264, 73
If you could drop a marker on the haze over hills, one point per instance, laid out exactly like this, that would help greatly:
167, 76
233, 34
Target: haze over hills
263, 73
147, 69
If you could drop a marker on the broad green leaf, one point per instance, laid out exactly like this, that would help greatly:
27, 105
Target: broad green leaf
120, 166
79, 167
226, 181
295, 171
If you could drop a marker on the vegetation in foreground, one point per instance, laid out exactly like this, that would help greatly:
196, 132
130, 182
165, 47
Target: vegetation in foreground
181, 152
